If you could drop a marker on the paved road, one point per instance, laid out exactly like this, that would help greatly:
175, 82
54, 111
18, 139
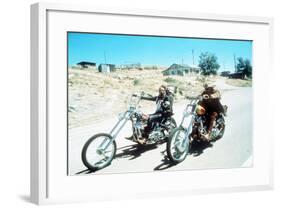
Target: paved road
233, 150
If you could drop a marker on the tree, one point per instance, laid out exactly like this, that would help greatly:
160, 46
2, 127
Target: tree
208, 62
244, 65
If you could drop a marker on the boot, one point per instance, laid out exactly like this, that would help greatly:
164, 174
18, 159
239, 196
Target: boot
207, 137
131, 138
142, 141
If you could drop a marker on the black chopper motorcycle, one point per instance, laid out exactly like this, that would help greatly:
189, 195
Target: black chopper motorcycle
100, 149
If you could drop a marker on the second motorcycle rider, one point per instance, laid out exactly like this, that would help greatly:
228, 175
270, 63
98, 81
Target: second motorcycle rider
164, 108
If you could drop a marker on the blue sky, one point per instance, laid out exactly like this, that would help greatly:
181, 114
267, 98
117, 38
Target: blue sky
151, 50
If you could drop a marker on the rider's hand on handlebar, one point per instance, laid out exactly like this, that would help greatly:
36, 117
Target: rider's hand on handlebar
144, 117
192, 97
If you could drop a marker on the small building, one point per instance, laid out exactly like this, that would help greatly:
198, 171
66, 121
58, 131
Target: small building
106, 68
237, 75
86, 64
131, 66
181, 69
225, 73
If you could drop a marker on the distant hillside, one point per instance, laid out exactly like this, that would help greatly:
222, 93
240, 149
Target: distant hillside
94, 96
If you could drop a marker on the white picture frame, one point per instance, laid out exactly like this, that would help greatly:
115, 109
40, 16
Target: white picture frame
49, 181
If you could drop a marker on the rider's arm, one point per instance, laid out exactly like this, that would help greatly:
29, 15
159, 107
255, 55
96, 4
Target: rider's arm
171, 100
149, 98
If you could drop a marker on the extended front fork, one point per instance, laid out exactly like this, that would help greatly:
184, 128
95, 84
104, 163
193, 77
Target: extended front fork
184, 142
115, 131
187, 130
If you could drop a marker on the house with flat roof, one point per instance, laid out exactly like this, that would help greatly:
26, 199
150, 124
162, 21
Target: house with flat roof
107, 68
181, 69
86, 64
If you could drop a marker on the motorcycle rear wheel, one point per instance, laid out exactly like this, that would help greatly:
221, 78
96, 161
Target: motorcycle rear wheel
94, 156
175, 151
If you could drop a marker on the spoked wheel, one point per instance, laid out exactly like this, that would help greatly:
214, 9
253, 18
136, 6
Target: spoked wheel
98, 152
177, 145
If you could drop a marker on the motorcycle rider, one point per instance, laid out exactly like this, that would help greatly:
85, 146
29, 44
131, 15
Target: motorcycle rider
211, 103
164, 108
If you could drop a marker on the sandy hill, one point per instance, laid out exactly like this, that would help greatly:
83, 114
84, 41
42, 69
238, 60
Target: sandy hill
94, 96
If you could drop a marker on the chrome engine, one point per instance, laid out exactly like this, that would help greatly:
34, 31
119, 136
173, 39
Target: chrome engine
156, 135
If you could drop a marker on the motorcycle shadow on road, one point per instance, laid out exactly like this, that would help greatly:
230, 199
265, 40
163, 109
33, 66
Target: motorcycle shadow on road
129, 152
134, 151
196, 150
166, 163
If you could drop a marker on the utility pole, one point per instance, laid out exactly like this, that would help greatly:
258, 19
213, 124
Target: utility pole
193, 56
104, 57
234, 62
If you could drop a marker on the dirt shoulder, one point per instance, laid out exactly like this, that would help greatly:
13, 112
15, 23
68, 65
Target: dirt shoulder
239, 82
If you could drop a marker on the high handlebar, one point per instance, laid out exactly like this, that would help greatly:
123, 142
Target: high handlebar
193, 97
200, 97
141, 94
135, 99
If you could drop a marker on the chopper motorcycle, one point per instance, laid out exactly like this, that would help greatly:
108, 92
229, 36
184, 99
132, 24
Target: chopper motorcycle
100, 149
192, 129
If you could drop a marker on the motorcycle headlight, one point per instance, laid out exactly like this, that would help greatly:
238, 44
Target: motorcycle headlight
166, 104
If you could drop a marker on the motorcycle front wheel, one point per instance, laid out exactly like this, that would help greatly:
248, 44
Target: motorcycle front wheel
177, 149
98, 151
